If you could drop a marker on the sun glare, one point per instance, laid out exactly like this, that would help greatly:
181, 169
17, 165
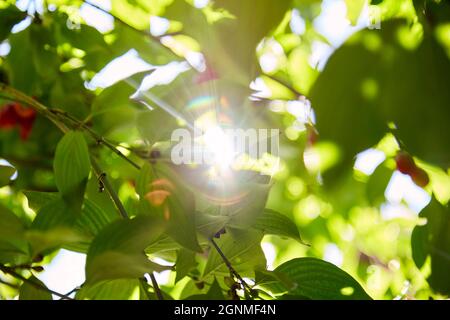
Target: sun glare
220, 147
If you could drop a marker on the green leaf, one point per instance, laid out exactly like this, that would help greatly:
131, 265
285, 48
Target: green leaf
21, 69
411, 68
5, 174
245, 213
345, 100
354, 8
113, 108
233, 57
29, 291
147, 292
377, 183
275, 223
155, 125
45, 60
119, 289
118, 250
144, 180
214, 293
433, 239
133, 13
242, 249
54, 227
264, 278
72, 167
317, 279
13, 245
93, 217
37, 199
185, 263
419, 245
208, 225
148, 49
392, 88
9, 16
300, 71
178, 209
88, 39
91, 221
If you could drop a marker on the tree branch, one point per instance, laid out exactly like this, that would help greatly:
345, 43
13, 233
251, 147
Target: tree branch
72, 291
58, 116
105, 181
123, 213
124, 23
227, 262
17, 95
98, 138
9, 284
16, 275
156, 287
55, 117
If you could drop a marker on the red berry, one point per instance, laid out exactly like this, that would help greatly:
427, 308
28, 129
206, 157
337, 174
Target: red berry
405, 163
8, 116
420, 177
16, 115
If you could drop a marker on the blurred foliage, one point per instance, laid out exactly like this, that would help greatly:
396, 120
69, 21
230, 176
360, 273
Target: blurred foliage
86, 167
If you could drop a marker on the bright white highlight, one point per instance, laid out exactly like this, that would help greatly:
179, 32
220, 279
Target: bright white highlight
96, 18
65, 272
297, 23
368, 160
333, 254
222, 147
401, 187
219, 146
118, 69
158, 26
270, 253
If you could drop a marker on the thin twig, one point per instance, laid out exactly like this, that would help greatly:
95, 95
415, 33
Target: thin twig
230, 267
98, 138
16, 275
124, 23
9, 284
55, 115
115, 198
73, 290
286, 85
38, 107
156, 287
105, 181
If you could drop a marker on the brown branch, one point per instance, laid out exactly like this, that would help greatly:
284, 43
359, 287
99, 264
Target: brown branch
98, 138
123, 213
16, 275
124, 23
233, 271
156, 287
56, 118
109, 188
